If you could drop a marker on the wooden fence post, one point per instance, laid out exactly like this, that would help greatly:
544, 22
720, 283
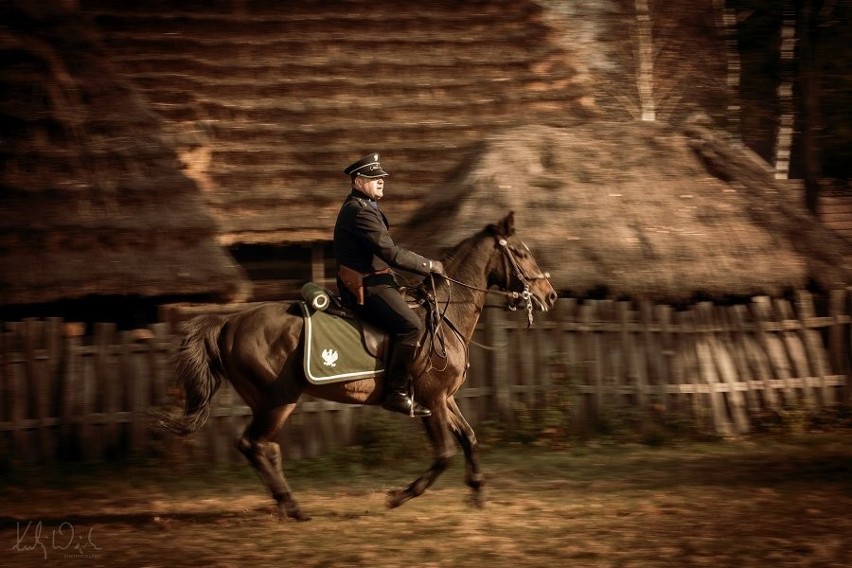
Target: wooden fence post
707, 370
796, 352
16, 391
727, 369
840, 337
813, 346
589, 350
772, 345
495, 333
665, 362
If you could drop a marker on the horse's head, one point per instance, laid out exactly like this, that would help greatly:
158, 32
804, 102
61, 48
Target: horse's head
517, 272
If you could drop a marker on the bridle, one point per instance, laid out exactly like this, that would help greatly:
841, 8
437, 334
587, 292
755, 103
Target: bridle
513, 297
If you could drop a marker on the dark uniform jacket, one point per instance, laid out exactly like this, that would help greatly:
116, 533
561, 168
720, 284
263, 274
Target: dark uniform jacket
362, 241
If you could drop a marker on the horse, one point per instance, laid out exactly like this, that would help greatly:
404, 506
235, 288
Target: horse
259, 351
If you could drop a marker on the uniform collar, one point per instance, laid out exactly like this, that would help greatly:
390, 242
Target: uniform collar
363, 196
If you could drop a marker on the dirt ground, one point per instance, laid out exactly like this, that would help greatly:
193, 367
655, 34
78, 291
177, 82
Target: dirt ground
758, 502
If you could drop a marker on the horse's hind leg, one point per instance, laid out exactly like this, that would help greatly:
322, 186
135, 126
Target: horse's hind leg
463, 432
258, 445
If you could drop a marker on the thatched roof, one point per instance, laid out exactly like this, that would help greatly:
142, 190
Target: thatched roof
93, 200
638, 209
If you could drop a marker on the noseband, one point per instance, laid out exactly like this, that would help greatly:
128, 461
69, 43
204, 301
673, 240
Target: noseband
513, 298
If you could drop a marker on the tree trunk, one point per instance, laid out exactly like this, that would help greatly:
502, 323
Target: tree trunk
810, 95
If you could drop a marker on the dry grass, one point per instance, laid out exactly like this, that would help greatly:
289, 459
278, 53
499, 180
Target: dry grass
744, 503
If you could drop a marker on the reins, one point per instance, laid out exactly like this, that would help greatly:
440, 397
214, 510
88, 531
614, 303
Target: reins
438, 316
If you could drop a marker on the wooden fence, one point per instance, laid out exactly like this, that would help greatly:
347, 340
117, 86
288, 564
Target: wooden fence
64, 395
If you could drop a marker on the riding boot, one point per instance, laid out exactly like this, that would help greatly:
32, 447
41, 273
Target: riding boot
397, 397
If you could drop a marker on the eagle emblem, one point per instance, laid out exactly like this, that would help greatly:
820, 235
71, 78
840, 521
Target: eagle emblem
329, 357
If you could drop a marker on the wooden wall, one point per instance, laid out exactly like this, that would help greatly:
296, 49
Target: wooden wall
66, 396
835, 211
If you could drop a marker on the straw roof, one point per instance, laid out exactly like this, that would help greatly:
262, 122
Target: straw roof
93, 199
642, 210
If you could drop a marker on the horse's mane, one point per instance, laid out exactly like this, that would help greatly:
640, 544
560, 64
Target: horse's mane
463, 248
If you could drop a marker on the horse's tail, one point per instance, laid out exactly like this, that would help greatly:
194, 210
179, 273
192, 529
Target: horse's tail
199, 371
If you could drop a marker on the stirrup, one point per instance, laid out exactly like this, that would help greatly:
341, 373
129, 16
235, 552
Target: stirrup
404, 404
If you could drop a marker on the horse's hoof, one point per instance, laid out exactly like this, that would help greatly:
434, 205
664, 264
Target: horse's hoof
477, 501
299, 517
396, 498
295, 514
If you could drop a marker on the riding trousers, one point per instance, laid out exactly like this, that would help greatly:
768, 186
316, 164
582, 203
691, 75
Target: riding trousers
385, 307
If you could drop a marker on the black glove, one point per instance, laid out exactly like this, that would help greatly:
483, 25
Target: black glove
437, 267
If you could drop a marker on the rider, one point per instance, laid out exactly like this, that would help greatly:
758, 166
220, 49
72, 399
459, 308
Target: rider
365, 252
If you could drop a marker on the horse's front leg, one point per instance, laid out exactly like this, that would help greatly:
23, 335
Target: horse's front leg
443, 449
463, 432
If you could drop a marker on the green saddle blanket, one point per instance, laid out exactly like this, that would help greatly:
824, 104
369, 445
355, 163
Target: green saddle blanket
334, 349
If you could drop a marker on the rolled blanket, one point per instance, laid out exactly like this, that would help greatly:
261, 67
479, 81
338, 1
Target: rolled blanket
316, 296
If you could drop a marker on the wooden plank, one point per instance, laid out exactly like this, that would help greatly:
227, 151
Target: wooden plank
89, 441
828, 203
773, 346
838, 349
622, 349
318, 261
53, 346
160, 349
610, 353
5, 388
543, 350
475, 408
795, 349
135, 379
218, 429
848, 390
755, 357
37, 380
310, 442
666, 358
71, 381
708, 373
685, 364
727, 370
17, 391
498, 368
643, 347
590, 349
814, 348
233, 426
108, 371
570, 371
45, 367
523, 345
734, 341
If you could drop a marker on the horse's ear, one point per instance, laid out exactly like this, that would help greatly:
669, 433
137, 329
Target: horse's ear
507, 225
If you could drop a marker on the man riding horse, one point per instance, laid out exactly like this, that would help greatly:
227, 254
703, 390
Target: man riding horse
365, 253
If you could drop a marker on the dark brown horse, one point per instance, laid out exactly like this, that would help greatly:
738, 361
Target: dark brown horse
260, 352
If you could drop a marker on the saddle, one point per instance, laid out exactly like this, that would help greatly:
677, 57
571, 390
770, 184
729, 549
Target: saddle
337, 345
